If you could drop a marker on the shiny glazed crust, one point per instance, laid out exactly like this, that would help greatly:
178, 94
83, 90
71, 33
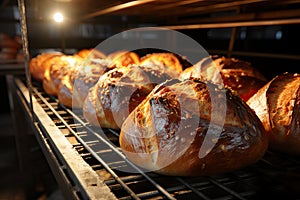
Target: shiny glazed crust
59, 69
167, 61
235, 74
91, 53
117, 93
75, 86
277, 105
38, 64
123, 58
168, 132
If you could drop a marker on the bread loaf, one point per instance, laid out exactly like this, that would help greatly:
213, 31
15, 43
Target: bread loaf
192, 128
123, 58
8, 48
59, 69
75, 86
38, 64
277, 105
91, 54
166, 61
235, 74
117, 93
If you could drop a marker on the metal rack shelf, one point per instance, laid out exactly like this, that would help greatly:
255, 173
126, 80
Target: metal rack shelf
76, 147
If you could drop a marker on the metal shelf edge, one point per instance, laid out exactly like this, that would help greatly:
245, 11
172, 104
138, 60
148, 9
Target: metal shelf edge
89, 183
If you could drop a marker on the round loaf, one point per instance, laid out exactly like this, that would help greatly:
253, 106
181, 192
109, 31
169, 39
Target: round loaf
235, 74
192, 128
117, 93
91, 54
166, 61
38, 64
277, 105
123, 58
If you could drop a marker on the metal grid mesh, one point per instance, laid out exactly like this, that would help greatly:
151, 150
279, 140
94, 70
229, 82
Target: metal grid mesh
275, 175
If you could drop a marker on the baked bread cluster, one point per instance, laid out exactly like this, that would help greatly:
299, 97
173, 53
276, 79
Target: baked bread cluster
59, 68
40, 63
75, 86
11, 48
118, 92
176, 118
175, 131
69, 77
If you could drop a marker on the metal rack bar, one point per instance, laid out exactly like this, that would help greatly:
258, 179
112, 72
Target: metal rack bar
200, 194
21, 5
231, 41
116, 8
259, 54
235, 24
219, 6
233, 193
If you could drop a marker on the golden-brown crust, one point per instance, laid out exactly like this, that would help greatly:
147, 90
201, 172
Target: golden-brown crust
123, 58
38, 64
91, 53
235, 74
89, 107
117, 93
168, 132
75, 86
57, 71
167, 61
277, 106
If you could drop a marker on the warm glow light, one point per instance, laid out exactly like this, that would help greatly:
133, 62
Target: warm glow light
58, 17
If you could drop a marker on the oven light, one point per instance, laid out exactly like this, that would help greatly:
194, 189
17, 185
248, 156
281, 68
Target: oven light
58, 17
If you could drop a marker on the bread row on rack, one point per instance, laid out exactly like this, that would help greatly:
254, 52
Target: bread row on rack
175, 118
10, 48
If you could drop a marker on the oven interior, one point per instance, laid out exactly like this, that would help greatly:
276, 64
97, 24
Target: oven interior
262, 32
